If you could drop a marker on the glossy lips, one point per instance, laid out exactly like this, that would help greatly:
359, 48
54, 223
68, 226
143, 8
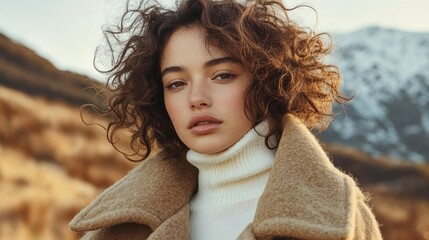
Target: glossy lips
203, 124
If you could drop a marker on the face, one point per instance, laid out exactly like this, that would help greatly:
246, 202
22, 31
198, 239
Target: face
204, 92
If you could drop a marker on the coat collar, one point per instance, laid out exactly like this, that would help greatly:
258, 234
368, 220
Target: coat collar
306, 196
150, 194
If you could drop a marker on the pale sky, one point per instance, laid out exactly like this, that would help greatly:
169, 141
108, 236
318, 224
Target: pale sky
67, 32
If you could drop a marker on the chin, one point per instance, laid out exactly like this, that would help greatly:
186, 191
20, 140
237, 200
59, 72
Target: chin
211, 150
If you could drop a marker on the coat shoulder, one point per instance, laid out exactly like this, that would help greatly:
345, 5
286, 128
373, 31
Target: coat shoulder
141, 197
307, 197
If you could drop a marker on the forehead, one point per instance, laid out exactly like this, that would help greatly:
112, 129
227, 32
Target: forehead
187, 45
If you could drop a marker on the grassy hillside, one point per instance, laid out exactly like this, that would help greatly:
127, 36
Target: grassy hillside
51, 163
21, 68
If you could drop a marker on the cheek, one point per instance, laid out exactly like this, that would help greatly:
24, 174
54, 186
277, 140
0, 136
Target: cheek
173, 109
235, 100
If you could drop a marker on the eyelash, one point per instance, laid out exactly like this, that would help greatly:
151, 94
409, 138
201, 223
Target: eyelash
229, 75
173, 85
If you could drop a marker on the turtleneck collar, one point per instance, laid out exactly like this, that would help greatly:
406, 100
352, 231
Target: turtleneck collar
238, 174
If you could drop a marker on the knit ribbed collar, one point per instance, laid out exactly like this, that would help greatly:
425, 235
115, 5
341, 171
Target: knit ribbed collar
235, 175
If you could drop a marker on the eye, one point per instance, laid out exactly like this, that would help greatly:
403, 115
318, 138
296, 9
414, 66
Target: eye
175, 85
225, 75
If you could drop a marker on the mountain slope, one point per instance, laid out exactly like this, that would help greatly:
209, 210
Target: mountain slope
389, 71
21, 68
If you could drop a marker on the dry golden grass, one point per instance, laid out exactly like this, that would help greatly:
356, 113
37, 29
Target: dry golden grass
51, 166
54, 132
37, 200
401, 217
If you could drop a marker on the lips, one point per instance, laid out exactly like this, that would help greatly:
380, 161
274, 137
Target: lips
203, 119
203, 124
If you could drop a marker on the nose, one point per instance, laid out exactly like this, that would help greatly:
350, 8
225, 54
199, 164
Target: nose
199, 96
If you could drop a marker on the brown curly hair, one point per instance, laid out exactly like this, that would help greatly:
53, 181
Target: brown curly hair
284, 60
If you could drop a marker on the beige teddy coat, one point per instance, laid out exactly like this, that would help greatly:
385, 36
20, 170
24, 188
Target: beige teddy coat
306, 198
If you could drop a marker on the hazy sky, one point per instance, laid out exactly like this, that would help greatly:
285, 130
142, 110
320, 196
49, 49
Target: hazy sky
67, 32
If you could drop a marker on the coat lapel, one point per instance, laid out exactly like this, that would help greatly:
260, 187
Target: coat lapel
306, 196
151, 194
175, 227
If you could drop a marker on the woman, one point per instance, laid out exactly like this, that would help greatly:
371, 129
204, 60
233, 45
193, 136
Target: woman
228, 91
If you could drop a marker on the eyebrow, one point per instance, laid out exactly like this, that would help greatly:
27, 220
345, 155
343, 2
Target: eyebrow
217, 61
209, 63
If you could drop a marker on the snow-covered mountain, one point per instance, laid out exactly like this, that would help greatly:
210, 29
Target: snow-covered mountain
389, 71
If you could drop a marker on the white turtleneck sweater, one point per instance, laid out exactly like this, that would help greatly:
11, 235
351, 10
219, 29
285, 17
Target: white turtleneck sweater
230, 184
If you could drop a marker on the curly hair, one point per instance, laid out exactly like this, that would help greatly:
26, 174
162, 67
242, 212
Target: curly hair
283, 58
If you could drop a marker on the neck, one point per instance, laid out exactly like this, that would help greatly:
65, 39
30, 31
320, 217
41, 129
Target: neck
237, 174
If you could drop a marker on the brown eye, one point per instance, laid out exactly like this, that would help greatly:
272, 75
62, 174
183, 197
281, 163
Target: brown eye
225, 76
175, 85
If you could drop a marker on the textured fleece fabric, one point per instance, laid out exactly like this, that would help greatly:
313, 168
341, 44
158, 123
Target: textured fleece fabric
306, 198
